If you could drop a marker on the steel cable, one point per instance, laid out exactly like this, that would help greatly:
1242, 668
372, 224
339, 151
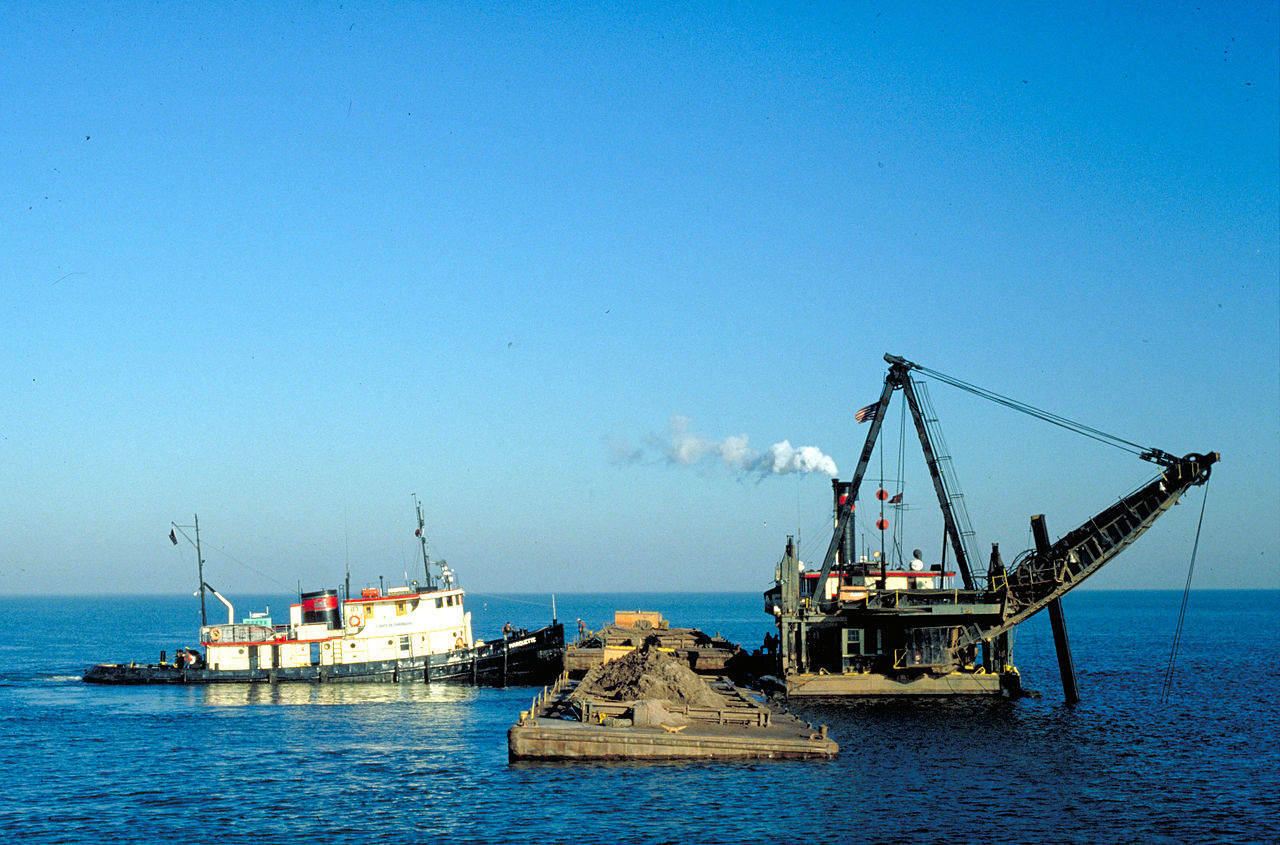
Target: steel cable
1182, 612
1038, 413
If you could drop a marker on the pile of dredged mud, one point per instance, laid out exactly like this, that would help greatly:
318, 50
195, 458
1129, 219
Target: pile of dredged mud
646, 674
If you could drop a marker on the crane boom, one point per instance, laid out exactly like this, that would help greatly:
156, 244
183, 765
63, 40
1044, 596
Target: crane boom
1038, 577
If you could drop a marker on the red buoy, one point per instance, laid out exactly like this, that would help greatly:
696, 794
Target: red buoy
882, 494
882, 524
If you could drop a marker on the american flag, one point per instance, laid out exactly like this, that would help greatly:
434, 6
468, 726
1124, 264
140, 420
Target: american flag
868, 413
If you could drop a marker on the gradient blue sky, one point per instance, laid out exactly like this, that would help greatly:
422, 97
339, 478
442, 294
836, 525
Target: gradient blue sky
285, 265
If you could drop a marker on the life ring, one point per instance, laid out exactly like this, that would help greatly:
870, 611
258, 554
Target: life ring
355, 620
215, 635
459, 643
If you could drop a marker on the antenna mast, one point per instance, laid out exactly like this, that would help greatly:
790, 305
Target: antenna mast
422, 538
204, 620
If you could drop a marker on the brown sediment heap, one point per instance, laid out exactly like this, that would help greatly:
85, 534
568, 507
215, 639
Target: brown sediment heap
648, 705
646, 674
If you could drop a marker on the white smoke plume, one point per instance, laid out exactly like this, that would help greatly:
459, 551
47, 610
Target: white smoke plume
680, 445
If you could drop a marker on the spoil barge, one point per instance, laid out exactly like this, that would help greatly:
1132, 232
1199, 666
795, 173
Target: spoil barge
703, 653
648, 706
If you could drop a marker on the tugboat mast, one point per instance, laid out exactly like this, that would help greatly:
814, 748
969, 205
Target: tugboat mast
204, 619
422, 539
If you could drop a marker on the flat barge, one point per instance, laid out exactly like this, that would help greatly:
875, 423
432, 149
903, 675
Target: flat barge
710, 719
703, 653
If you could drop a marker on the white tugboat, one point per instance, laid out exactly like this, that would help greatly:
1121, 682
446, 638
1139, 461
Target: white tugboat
405, 633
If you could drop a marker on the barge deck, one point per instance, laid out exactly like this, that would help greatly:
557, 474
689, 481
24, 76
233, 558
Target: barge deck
712, 720
703, 653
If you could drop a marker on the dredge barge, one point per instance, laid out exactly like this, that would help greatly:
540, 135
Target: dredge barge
413, 632
703, 653
858, 626
648, 705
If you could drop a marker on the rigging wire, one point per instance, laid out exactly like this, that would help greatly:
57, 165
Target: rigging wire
499, 597
899, 529
222, 551
880, 522
252, 569
1038, 413
813, 548
812, 545
1182, 612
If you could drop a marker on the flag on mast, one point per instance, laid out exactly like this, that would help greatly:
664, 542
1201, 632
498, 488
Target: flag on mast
172, 538
868, 413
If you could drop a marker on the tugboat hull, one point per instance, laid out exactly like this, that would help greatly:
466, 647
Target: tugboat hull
532, 659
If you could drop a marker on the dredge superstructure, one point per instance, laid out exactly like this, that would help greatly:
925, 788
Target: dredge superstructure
857, 627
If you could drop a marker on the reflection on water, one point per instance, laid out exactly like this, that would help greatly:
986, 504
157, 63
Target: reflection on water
243, 695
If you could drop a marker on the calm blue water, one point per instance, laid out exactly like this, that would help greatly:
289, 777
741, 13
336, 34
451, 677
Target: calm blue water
401, 763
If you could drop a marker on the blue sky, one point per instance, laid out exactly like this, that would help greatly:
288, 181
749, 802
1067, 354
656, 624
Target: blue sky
286, 265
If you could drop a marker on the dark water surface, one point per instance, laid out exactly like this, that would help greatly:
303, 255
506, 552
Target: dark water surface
413, 763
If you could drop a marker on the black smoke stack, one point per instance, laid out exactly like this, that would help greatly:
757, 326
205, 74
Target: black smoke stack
321, 606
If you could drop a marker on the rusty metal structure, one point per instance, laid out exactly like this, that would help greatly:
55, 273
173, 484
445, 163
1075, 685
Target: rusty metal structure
856, 627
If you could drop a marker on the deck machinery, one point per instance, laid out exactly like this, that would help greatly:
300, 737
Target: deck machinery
856, 627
